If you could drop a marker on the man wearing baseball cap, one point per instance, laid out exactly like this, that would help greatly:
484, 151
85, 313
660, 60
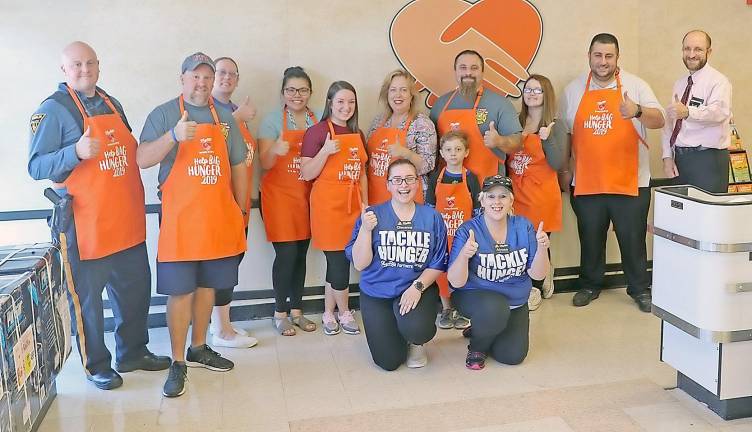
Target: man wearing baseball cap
202, 185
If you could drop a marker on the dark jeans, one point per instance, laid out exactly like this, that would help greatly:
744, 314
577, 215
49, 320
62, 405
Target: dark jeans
706, 169
497, 330
629, 215
388, 332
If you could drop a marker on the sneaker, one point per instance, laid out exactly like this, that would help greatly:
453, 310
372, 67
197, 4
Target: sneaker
206, 357
176, 378
330, 324
535, 299
468, 332
215, 330
475, 360
416, 356
446, 321
348, 323
584, 296
237, 341
548, 284
460, 322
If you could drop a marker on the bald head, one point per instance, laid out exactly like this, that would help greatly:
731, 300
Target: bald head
80, 66
696, 50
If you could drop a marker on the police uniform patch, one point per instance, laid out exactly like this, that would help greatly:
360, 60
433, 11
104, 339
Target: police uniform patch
481, 115
225, 129
36, 119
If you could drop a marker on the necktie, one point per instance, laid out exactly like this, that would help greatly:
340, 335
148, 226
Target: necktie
685, 97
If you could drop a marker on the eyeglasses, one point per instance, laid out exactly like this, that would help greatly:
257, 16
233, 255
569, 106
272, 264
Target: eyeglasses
292, 91
535, 91
410, 180
497, 180
224, 73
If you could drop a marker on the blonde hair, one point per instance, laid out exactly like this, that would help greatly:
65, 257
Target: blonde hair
549, 101
384, 93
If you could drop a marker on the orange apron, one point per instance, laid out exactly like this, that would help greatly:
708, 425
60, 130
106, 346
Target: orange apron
250, 144
604, 144
536, 187
379, 160
200, 218
335, 196
284, 195
455, 205
108, 205
481, 160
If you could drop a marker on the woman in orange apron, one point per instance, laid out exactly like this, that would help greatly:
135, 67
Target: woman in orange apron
453, 191
226, 80
533, 168
334, 156
284, 199
399, 132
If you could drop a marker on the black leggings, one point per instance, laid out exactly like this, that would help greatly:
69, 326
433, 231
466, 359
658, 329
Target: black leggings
337, 270
288, 274
496, 330
388, 332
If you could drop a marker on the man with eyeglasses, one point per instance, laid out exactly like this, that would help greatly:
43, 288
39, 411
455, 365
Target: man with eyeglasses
202, 186
489, 119
80, 139
607, 112
697, 134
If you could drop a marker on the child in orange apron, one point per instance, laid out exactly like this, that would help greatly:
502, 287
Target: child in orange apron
334, 155
533, 168
226, 80
454, 192
285, 199
399, 132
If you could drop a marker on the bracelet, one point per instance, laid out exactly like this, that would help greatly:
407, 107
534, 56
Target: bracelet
172, 132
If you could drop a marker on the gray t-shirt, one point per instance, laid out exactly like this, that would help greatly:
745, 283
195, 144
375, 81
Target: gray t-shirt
165, 116
271, 125
499, 109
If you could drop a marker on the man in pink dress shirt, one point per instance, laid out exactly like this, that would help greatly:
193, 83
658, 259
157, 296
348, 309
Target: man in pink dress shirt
697, 131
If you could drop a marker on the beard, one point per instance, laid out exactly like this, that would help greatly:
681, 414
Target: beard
468, 89
700, 64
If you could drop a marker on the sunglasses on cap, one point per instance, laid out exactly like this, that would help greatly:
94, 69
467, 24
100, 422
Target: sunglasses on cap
497, 180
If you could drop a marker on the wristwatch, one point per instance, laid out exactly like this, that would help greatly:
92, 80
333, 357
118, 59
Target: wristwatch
639, 111
419, 286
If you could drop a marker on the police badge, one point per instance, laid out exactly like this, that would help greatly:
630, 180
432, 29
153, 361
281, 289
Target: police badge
481, 115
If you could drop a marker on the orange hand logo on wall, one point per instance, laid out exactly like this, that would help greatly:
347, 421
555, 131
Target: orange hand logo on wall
426, 35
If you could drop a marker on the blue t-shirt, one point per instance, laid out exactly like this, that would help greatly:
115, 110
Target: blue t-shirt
401, 250
55, 128
165, 117
499, 267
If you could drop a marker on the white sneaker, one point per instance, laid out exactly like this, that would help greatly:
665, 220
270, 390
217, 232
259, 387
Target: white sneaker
534, 301
238, 341
215, 330
416, 356
548, 284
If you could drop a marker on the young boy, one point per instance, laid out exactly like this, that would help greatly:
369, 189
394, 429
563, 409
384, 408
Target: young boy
453, 191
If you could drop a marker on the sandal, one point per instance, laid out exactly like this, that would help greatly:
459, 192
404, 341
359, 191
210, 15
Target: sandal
284, 326
304, 323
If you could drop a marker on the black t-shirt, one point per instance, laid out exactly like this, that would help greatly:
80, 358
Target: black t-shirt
472, 185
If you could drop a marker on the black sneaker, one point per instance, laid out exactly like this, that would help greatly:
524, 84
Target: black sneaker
175, 384
206, 357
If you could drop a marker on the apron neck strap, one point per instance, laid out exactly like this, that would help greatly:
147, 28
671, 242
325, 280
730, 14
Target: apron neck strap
181, 102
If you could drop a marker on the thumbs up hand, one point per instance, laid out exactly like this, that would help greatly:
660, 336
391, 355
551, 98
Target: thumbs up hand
331, 146
677, 110
541, 237
246, 111
185, 129
368, 220
545, 131
627, 108
491, 136
87, 146
280, 147
470, 248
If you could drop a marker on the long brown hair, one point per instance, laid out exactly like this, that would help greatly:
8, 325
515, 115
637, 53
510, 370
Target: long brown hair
549, 101
384, 93
336, 86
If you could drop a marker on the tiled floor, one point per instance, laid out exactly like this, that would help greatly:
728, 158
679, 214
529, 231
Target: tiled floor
589, 369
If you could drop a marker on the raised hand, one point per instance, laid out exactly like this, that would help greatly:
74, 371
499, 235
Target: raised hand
677, 110
185, 129
541, 237
491, 135
471, 246
545, 131
331, 146
245, 111
368, 220
627, 107
87, 146
280, 147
